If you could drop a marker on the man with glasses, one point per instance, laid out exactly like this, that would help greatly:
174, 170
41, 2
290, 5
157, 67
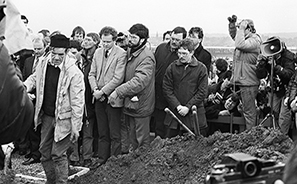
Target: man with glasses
165, 54
196, 34
138, 89
184, 85
59, 86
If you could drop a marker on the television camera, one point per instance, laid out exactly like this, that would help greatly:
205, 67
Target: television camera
244, 168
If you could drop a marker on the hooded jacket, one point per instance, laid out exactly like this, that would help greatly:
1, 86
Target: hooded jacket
70, 96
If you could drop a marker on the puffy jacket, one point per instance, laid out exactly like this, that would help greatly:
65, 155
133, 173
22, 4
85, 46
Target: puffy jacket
139, 82
247, 49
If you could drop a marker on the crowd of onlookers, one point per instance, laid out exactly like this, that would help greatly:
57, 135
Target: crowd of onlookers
98, 95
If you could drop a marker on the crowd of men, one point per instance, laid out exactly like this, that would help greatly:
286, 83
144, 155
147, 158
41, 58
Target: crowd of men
100, 95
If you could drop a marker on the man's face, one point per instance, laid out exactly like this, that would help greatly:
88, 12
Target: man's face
78, 36
88, 42
174, 39
133, 40
38, 48
195, 38
107, 42
184, 55
58, 55
229, 104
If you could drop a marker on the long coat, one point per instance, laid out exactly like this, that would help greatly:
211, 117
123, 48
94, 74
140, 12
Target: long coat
70, 96
16, 109
185, 85
203, 56
164, 57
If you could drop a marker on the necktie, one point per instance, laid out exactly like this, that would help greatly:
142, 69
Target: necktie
35, 64
106, 53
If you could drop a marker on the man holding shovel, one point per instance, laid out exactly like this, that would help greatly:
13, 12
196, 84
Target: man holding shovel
185, 85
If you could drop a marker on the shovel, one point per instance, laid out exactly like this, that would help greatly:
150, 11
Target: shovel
178, 120
196, 122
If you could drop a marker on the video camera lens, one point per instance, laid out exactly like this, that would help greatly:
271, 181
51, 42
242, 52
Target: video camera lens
250, 169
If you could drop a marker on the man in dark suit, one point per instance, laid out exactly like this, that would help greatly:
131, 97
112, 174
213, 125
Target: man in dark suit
33, 136
202, 55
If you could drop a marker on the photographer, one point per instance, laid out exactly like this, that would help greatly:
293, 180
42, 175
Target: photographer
282, 72
247, 49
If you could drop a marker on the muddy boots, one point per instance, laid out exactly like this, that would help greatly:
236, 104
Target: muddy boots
56, 171
49, 169
61, 169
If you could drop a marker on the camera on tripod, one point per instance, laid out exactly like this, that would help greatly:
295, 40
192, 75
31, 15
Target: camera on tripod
244, 168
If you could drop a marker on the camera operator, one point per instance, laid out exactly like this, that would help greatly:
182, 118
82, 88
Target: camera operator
247, 49
283, 70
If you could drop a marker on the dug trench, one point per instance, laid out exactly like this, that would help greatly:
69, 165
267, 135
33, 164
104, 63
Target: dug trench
187, 159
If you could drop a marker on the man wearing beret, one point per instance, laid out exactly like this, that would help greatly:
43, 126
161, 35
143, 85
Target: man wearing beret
138, 89
59, 107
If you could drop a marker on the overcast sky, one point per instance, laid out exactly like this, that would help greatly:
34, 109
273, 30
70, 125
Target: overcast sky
270, 16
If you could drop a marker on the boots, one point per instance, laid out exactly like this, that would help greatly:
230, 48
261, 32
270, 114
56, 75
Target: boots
61, 169
49, 170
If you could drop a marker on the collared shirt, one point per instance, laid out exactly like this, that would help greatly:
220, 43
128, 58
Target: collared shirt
108, 52
60, 65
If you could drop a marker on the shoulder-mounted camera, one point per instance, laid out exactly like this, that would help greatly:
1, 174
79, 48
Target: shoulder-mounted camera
244, 168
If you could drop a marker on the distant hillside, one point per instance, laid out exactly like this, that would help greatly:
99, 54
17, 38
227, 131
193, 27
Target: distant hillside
224, 40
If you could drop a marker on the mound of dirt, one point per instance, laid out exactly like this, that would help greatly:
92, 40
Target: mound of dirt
188, 160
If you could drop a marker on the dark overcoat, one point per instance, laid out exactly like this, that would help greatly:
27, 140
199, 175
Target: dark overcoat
185, 85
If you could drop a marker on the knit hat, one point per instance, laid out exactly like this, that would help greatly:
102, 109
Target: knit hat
140, 30
59, 41
94, 36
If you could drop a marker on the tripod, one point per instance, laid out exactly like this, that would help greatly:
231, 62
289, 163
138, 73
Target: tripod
270, 114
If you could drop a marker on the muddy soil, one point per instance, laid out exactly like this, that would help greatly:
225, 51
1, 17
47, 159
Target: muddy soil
187, 160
